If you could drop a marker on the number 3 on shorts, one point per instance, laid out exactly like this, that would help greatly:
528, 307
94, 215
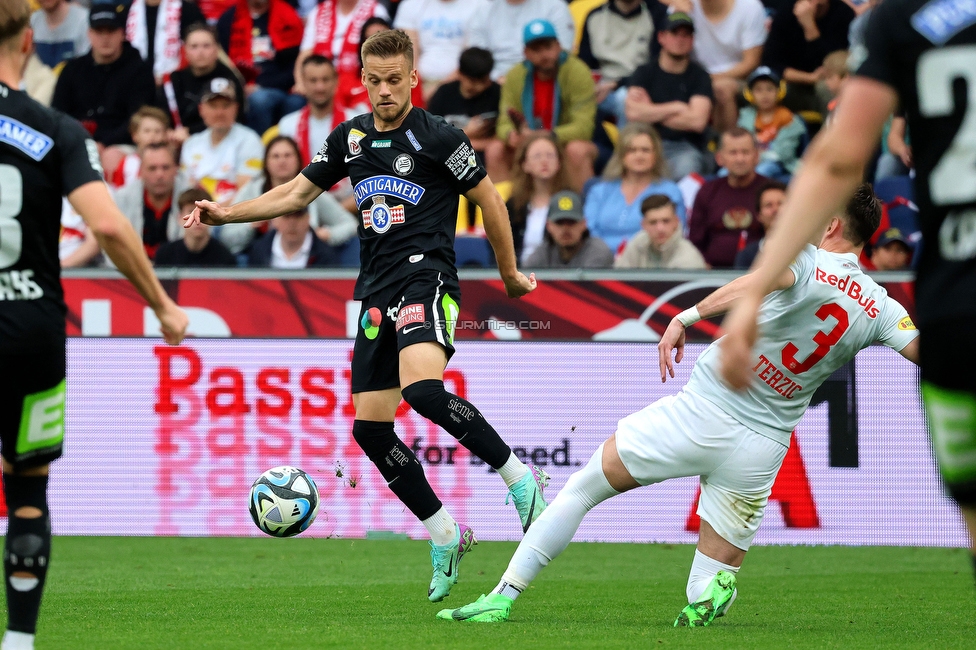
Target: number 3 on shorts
42, 420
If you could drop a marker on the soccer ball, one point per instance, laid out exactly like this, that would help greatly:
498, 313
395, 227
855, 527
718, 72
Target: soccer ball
284, 501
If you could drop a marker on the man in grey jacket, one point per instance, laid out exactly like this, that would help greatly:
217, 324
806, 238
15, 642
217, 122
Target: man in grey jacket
567, 242
660, 244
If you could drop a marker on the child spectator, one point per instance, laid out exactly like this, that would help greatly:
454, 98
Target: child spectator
148, 126
778, 130
660, 244
197, 248
835, 73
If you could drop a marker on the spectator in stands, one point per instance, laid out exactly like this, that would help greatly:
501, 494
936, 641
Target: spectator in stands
538, 174
312, 124
896, 156
181, 93
471, 102
729, 37
282, 162
226, 155
291, 244
835, 73
892, 252
104, 87
498, 27
567, 243
616, 39
439, 30
333, 29
660, 244
723, 221
261, 37
77, 246
38, 80
674, 94
779, 131
769, 200
150, 202
551, 90
59, 31
197, 248
636, 170
156, 28
149, 125
797, 44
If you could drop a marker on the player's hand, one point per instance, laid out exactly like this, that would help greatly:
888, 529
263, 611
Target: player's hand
740, 330
208, 212
673, 339
518, 285
173, 322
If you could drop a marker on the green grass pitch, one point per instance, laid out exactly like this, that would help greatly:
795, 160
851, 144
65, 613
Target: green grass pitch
146, 593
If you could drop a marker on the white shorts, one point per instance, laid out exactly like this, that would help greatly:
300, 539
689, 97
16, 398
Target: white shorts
686, 435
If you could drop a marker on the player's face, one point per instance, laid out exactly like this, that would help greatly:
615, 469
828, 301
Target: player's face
541, 160
769, 204
640, 156
566, 232
106, 43
389, 82
677, 43
201, 50
739, 156
283, 163
219, 113
764, 94
150, 130
660, 224
543, 54
158, 172
320, 83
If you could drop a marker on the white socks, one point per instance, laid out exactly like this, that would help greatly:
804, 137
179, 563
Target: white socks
554, 529
17, 641
441, 527
513, 470
703, 569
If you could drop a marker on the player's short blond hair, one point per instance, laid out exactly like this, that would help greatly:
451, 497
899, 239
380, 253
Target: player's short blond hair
388, 44
14, 17
836, 63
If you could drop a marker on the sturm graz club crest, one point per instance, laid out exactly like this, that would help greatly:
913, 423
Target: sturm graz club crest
403, 164
381, 216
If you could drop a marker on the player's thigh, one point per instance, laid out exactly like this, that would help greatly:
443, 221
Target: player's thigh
734, 495
375, 363
949, 393
377, 405
32, 393
426, 318
679, 435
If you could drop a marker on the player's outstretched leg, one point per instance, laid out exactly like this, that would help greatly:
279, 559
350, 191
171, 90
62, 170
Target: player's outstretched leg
716, 598
27, 551
464, 421
549, 537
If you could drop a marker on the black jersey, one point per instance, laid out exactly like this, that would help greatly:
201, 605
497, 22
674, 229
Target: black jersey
43, 156
407, 182
926, 51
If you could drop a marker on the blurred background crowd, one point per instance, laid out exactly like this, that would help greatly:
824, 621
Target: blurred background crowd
622, 133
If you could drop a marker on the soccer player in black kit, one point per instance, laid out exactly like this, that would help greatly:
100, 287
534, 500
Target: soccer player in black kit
44, 155
407, 168
921, 53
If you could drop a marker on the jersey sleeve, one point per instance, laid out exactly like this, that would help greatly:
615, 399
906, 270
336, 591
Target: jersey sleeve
804, 264
462, 167
80, 162
328, 166
874, 58
896, 327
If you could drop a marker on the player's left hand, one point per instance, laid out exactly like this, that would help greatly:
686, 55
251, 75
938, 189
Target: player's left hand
673, 339
518, 285
740, 331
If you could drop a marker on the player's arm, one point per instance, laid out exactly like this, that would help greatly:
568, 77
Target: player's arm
832, 168
910, 351
124, 247
499, 231
714, 304
293, 196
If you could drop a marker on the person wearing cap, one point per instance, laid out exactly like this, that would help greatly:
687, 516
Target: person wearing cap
660, 244
892, 251
226, 155
499, 27
674, 94
551, 90
567, 242
103, 88
778, 130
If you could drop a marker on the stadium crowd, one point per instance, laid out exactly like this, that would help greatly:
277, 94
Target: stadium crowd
622, 133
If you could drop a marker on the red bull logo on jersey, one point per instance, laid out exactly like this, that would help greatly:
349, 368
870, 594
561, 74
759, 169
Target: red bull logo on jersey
381, 216
851, 288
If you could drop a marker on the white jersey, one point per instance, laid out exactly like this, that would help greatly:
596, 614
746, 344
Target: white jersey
217, 168
832, 311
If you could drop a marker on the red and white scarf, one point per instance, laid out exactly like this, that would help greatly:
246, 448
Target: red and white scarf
325, 26
167, 47
302, 129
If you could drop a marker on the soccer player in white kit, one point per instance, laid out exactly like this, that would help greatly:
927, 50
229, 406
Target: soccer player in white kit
823, 310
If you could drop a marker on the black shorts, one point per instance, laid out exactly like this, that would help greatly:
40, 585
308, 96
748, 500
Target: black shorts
32, 407
424, 307
948, 355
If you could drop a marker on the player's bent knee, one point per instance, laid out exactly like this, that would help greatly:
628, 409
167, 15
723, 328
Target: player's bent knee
427, 397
